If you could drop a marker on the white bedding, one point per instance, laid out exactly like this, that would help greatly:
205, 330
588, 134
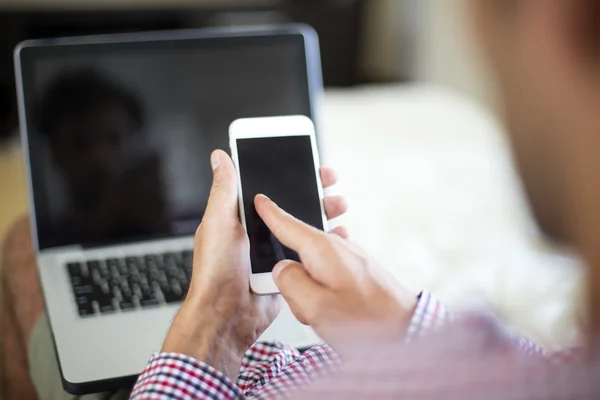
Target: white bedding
435, 199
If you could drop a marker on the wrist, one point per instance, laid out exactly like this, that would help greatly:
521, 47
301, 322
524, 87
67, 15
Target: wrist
199, 331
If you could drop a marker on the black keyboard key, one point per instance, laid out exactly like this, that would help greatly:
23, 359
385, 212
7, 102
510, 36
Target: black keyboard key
76, 280
144, 280
146, 290
135, 288
162, 276
133, 280
104, 287
177, 290
93, 265
165, 286
187, 265
127, 305
145, 303
86, 310
133, 265
81, 300
169, 258
105, 304
187, 258
126, 291
171, 297
114, 272
149, 303
129, 261
149, 300
134, 271
183, 281
154, 276
123, 270
85, 289
107, 309
150, 259
104, 271
172, 272
185, 290
114, 282
74, 269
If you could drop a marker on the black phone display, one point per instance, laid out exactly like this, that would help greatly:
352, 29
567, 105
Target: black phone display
282, 168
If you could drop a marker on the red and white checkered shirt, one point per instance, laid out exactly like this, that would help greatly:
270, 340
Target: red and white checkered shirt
273, 370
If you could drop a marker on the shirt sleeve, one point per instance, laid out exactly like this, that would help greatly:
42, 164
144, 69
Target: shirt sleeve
176, 376
430, 315
272, 369
267, 367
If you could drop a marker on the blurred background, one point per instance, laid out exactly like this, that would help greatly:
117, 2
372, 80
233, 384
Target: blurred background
409, 121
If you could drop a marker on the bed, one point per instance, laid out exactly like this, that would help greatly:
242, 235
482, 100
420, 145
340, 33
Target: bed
434, 197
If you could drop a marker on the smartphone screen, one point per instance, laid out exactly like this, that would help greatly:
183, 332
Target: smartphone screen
282, 168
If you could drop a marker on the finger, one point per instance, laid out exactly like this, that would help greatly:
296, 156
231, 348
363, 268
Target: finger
223, 199
290, 231
335, 206
301, 292
328, 177
341, 231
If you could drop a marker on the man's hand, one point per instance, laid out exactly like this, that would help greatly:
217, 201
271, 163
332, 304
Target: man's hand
337, 289
220, 317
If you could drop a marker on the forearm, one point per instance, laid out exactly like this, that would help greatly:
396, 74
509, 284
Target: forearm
199, 332
199, 358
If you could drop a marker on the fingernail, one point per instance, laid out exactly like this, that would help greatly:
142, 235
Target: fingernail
262, 196
280, 267
215, 160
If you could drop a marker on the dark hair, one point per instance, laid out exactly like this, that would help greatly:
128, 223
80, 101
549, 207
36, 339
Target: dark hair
75, 91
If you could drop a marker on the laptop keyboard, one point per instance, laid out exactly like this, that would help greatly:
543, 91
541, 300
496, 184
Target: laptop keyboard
130, 283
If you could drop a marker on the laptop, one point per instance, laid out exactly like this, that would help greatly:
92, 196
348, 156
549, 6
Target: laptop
117, 132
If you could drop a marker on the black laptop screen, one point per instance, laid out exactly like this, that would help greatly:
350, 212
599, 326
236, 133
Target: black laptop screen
119, 135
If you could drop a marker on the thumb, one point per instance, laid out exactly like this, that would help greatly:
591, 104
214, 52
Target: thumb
223, 199
302, 293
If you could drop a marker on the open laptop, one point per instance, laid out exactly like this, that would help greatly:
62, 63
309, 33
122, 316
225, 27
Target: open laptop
117, 132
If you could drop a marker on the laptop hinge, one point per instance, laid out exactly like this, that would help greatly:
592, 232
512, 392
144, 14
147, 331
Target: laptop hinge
61, 250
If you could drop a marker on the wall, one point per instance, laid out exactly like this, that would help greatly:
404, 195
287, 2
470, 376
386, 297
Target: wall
446, 51
427, 40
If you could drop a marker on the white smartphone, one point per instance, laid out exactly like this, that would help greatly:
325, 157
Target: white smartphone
277, 157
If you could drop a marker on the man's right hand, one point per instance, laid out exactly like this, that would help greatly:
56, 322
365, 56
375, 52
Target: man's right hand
337, 289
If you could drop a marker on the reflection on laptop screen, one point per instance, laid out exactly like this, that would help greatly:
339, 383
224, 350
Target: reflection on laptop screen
120, 138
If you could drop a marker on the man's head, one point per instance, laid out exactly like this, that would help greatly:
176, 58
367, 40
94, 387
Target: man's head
544, 55
91, 124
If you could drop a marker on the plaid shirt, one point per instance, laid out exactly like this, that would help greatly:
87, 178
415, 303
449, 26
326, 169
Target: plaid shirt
273, 370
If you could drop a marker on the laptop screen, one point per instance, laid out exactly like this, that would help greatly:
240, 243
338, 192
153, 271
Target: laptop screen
120, 134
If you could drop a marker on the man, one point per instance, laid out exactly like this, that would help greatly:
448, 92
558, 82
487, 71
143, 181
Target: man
546, 57
544, 54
